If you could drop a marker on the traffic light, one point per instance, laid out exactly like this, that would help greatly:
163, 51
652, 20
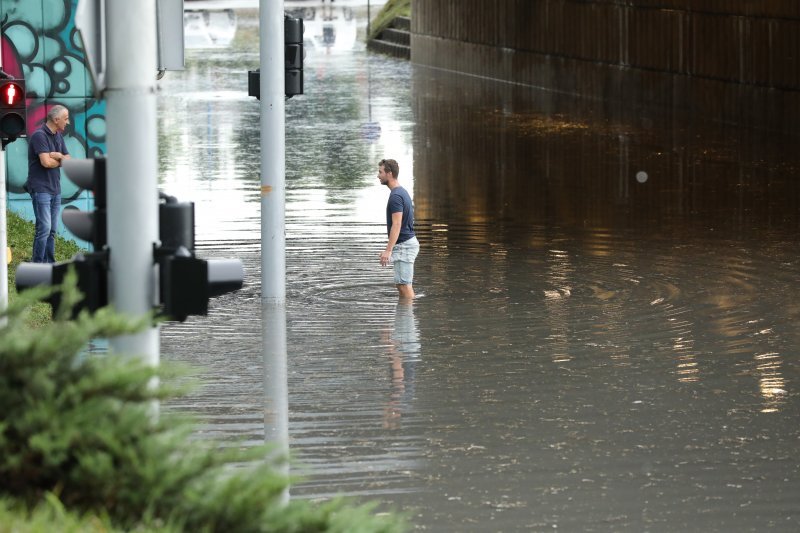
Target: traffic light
293, 54
91, 267
254, 83
91, 270
88, 174
187, 282
12, 109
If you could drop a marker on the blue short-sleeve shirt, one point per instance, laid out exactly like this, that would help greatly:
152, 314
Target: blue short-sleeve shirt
400, 201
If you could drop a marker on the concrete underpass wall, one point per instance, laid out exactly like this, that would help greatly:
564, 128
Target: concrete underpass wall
737, 61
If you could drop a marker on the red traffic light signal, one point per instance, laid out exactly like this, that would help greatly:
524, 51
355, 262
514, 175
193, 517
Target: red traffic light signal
12, 109
12, 94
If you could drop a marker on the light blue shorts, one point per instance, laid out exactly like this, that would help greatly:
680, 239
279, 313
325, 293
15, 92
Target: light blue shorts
403, 256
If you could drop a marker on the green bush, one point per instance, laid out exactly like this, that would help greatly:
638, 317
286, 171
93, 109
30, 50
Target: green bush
390, 10
80, 428
20, 239
49, 516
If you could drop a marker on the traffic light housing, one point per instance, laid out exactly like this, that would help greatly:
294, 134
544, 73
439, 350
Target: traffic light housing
90, 175
91, 270
13, 109
187, 282
90, 267
293, 55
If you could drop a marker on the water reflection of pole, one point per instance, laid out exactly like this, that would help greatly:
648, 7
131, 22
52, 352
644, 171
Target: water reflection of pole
404, 349
276, 390
273, 225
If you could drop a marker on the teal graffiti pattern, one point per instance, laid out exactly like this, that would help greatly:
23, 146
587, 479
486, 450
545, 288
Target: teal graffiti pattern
42, 44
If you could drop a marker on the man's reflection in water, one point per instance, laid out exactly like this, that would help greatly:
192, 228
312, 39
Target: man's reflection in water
403, 347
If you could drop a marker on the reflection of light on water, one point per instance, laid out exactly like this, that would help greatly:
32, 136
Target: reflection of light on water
601, 244
771, 383
499, 273
439, 245
556, 299
688, 371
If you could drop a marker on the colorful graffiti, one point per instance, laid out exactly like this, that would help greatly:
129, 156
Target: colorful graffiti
41, 44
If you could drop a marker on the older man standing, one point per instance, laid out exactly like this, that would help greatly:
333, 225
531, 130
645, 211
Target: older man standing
46, 151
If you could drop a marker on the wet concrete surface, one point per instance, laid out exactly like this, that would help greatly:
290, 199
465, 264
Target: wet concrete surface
606, 331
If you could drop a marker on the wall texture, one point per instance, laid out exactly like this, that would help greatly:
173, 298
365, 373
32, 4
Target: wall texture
41, 45
736, 61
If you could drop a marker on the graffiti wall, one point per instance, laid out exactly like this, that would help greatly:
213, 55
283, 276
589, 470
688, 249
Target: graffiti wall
41, 45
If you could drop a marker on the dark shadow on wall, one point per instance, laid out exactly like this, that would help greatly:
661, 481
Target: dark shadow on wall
735, 62
512, 157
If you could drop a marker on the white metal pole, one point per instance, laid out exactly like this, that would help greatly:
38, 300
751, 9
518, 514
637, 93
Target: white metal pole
273, 153
3, 224
132, 166
3, 238
276, 389
273, 226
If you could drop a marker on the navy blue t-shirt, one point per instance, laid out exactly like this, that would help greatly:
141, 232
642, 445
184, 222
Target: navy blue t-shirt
42, 179
400, 201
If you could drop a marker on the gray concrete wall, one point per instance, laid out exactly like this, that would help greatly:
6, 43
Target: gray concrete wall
736, 61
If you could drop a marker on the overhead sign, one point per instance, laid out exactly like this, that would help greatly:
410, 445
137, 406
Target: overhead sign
170, 35
90, 20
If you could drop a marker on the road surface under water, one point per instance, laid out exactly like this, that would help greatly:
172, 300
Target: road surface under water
606, 331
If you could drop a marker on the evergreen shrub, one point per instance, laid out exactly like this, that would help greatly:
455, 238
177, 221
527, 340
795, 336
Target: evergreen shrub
80, 430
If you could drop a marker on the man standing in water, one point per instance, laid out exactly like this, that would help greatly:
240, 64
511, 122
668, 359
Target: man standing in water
403, 246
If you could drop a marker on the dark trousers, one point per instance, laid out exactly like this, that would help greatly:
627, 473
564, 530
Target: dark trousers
45, 207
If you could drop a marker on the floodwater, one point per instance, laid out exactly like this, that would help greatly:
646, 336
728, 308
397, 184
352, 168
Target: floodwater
606, 334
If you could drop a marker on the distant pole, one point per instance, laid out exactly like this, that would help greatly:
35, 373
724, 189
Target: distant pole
3, 224
273, 153
3, 238
273, 225
369, 20
132, 167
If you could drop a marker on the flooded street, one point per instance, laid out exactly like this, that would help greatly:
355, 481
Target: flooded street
606, 336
